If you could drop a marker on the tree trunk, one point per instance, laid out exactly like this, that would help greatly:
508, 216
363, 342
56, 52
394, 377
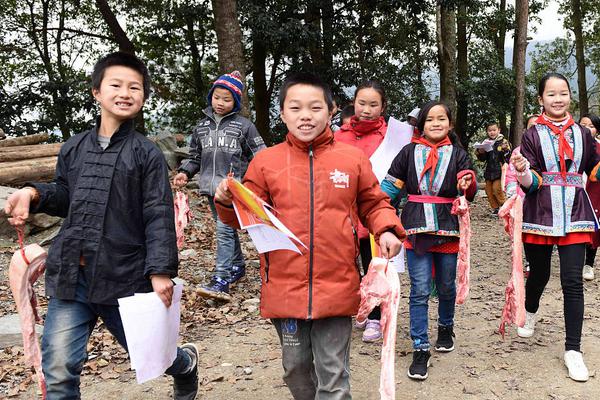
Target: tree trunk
23, 140
199, 88
462, 102
579, 56
327, 15
19, 172
230, 42
125, 45
520, 47
447, 55
312, 18
262, 99
499, 42
28, 152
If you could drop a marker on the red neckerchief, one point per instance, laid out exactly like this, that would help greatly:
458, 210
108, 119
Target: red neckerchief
366, 126
564, 148
433, 157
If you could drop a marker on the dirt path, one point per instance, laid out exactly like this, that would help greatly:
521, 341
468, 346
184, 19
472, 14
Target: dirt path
240, 352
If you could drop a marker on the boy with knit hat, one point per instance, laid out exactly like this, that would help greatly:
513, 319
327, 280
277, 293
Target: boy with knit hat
222, 142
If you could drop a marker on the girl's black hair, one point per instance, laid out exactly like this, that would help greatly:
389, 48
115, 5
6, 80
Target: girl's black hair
425, 108
595, 120
545, 78
375, 85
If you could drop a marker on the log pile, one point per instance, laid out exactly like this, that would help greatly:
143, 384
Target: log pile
23, 159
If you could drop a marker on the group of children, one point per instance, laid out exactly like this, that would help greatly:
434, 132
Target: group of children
118, 238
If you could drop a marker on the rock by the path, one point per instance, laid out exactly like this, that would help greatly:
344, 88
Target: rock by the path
10, 331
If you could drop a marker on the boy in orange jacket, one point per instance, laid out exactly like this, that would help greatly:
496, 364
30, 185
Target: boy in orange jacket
320, 187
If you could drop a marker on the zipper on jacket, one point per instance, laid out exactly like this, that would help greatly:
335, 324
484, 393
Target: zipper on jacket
356, 246
214, 166
312, 231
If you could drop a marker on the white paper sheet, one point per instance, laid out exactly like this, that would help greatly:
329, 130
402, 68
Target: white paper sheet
267, 238
486, 145
398, 135
151, 330
399, 261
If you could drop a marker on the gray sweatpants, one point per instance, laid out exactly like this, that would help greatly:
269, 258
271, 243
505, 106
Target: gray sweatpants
315, 357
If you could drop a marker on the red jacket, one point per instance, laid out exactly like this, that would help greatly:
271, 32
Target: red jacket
367, 136
315, 188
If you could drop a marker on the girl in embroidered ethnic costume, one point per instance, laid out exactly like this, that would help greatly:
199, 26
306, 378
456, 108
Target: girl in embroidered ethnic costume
434, 169
556, 209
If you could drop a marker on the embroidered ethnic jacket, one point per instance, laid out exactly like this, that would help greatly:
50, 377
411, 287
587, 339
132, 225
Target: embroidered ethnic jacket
553, 205
405, 171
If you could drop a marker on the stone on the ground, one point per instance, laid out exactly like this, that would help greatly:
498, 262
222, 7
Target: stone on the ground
187, 253
10, 331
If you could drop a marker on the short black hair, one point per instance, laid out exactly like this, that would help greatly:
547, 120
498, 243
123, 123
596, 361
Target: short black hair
123, 59
305, 78
347, 112
491, 123
545, 78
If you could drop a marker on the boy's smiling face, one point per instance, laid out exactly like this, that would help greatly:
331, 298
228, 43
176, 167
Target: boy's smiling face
305, 112
121, 93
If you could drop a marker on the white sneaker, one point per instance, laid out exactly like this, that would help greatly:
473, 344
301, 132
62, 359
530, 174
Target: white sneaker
588, 272
529, 327
577, 369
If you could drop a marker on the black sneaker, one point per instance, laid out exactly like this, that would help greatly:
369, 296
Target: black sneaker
185, 386
237, 273
445, 341
217, 289
420, 362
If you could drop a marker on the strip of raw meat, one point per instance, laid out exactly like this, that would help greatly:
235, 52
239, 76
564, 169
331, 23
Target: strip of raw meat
183, 215
460, 207
381, 287
26, 266
511, 214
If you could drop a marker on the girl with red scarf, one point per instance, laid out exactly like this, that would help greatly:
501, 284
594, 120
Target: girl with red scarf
556, 210
366, 130
434, 169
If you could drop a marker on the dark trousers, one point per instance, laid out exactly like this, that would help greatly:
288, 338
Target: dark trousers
316, 357
571, 266
365, 259
590, 255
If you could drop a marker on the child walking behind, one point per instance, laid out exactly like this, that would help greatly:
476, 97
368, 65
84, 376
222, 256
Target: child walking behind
315, 183
118, 236
556, 210
366, 131
222, 142
592, 122
434, 170
494, 160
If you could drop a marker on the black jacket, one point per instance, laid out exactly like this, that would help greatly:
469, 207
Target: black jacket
118, 210
217, 148
494, 159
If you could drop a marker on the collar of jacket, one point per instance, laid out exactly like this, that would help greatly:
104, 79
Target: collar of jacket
322, 140
208, 111
362, 127
127, 127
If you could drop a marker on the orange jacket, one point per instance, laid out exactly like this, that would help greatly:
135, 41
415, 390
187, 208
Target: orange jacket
316, 188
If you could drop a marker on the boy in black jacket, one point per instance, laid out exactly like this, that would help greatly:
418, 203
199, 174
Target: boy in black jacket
494, 159
118, 236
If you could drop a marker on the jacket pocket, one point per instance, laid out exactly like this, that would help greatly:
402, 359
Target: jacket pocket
120, 261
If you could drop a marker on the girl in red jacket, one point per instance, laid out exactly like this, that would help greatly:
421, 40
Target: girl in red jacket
366, 130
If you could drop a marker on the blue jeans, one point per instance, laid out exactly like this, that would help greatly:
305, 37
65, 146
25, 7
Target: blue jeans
67, 330
419, 270
229, 251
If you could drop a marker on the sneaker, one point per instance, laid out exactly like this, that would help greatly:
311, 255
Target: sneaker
372, 331
445, 341
360, 325
526, 270
527, 330
420, 363
185, 386
217, 289
495, 212
237, 273
588, 272
577, 369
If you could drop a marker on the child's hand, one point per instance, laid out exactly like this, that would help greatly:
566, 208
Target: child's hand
17, 206
223, 195
389, 245
519, 162
465, 182
163, 286
180, 180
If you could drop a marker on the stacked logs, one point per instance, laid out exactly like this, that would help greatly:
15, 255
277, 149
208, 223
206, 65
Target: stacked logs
23, 159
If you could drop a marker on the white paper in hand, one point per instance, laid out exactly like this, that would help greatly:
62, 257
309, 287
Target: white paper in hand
398, 261
151, 331
398, 135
